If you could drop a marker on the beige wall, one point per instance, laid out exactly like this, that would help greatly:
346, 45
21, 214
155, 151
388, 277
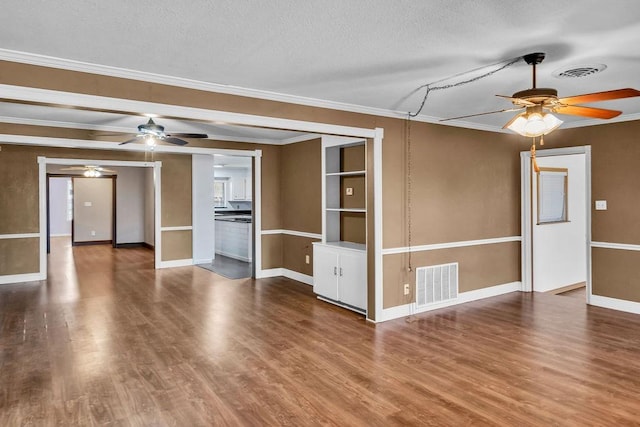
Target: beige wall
19, 210
176, 245
294, 250
301, 186
301, 202
478, 267
19, 256
465, 182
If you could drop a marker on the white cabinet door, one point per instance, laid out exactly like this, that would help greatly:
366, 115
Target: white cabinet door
237, 188
248, 188
325, 269
352, 279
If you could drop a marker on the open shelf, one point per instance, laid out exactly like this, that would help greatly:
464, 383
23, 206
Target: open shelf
347, 210
348, 173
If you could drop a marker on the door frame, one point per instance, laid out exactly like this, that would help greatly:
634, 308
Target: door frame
44, 199
527, 217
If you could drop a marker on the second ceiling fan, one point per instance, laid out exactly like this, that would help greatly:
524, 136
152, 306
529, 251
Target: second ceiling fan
151, 132
537, 104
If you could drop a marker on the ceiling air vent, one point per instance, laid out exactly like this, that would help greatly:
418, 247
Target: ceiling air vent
578, 71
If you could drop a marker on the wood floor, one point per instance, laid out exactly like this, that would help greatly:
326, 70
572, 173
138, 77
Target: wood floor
107, 340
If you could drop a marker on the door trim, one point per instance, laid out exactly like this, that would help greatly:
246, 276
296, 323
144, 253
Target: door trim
526, 215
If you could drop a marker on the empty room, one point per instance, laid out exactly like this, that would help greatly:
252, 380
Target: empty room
325, 213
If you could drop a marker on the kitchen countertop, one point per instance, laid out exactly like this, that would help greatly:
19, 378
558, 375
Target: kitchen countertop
233, 217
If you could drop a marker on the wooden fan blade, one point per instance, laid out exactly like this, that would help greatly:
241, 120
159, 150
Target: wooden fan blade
176, 141
518, 101
188, 135
105, 170
513, 119
600, 96
596, 113
129, 141
481, 114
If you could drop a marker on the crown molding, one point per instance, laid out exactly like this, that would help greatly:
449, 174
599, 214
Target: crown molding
106, 70
101, 128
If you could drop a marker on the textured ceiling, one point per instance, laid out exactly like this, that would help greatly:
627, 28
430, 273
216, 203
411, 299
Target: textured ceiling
361, 52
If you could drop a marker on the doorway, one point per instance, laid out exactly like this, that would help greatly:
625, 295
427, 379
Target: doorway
556, 221
80, 210
228, 248
130, 191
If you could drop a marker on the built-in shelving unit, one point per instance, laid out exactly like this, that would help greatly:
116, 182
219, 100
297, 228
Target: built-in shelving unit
340, 259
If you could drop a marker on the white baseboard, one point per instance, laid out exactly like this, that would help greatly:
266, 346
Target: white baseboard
234, 256
175, 263
19, 278
290, 274
409, 309
202, 261
394, 313
271, 272
615, 304
294, 275
492, 291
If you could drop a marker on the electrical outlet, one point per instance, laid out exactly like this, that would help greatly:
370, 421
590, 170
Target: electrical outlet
601, 205
93, 232
306, 259
407, 289
348, 191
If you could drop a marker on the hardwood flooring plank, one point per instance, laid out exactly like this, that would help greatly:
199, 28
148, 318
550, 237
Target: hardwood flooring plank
108, 340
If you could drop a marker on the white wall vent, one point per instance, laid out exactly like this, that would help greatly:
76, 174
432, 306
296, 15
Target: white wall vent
436, 284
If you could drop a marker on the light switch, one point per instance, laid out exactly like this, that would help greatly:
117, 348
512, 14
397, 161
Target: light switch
348, 191
88, 204
601, 205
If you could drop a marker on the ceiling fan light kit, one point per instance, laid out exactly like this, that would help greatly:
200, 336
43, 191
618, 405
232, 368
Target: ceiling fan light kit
89, 171
534, 124
151, 133
539, 104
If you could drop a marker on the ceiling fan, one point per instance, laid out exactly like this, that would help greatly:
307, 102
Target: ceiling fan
151, 132
90, 171
537, 104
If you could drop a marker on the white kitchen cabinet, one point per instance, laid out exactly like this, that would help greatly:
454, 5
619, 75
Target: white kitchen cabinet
340, 274
238, 188
241, 188
233, 239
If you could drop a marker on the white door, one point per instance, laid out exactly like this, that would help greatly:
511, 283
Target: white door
352, 279
325, 272
559, 258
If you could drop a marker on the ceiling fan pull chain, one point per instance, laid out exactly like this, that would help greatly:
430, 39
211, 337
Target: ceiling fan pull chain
534, 163
541, 140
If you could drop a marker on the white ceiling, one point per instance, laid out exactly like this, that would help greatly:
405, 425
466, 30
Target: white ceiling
359, 52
